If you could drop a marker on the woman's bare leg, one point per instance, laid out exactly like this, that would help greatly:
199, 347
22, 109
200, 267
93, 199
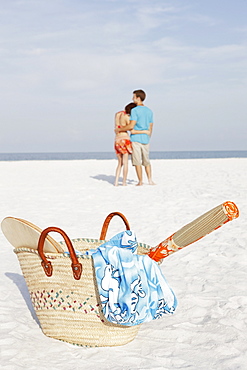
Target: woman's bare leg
125, 167
118, 169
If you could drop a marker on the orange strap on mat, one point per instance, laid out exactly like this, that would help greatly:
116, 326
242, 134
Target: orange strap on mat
195, 230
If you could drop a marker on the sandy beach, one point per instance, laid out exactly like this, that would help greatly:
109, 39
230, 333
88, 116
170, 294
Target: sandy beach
208, 329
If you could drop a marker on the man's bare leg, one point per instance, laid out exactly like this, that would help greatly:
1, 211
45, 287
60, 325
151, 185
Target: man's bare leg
149, 174
139, 174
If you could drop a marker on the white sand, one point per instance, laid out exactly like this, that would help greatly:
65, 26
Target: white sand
208, 330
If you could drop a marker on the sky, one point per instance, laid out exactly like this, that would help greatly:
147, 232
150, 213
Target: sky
67, 66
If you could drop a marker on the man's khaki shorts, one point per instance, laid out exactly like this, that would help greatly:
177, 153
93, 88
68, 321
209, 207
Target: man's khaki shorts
140, 154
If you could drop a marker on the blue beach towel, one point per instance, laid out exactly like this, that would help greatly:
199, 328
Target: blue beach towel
132, 288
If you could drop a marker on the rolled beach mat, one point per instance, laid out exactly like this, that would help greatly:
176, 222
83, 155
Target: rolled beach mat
195, 230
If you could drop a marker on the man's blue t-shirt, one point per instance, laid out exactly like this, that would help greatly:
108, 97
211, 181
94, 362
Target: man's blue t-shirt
143, 117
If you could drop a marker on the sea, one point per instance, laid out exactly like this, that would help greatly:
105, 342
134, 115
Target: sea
111, 155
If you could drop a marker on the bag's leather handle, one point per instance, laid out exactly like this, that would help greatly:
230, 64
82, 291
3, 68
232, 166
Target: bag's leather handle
107, 221
47, 266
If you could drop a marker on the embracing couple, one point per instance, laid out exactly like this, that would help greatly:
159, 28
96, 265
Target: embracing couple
138, 119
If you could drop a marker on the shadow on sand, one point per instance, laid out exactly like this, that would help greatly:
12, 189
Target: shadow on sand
111, 179
21, 285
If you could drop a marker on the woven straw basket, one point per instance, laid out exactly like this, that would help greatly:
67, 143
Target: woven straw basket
66, 304
63, 287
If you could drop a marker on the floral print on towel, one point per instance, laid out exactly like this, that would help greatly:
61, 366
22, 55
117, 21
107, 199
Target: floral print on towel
132, 287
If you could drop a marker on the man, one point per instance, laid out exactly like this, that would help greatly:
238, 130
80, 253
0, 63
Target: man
141, 119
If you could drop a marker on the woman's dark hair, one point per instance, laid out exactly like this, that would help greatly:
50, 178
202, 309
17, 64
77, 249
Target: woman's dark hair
129, 107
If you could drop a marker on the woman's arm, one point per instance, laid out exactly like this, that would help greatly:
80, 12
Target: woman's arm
134, 132
148, 132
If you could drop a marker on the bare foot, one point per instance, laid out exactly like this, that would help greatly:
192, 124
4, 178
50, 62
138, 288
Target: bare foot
139, 184
124, 184
151, 182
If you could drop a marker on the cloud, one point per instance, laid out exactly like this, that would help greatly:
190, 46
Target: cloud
67, 66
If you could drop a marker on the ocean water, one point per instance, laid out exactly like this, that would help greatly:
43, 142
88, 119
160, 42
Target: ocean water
111, 155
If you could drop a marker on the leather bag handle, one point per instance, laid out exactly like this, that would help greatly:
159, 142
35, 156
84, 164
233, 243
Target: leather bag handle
107, 221
47, 266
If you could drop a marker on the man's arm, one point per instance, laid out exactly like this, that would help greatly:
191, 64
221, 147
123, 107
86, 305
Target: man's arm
151, 128
128, 127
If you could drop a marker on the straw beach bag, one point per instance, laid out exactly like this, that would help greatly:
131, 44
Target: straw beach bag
63, 286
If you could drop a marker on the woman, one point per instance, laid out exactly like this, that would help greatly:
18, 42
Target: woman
122, 142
